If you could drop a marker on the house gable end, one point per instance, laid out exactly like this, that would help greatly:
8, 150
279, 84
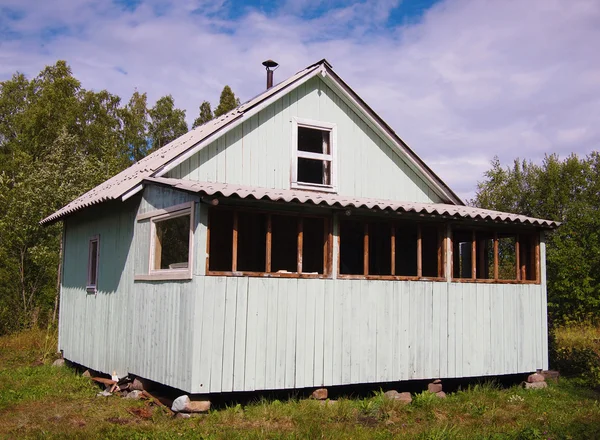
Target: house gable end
259, 151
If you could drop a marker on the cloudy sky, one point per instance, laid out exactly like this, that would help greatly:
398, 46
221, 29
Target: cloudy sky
459, 80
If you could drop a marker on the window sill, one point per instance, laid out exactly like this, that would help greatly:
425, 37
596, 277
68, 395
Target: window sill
389, 278
489, 281
268, 275
165, 276
313, 187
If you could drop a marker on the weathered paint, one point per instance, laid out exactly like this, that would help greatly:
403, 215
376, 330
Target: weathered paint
219, 334
259, 152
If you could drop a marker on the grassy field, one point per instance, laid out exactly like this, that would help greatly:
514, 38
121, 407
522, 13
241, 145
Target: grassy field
38, 400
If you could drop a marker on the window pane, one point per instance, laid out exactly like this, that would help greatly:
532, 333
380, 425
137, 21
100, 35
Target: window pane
352, 247
313, 245
252, 242
462, 242
406, 249
93, 263
314, 171
172, 243
313, 140
284, 243
221, 240
380, 248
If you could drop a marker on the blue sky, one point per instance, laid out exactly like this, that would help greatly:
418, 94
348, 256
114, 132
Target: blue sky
459, 80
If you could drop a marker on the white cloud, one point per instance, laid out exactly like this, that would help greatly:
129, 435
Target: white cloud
471, 80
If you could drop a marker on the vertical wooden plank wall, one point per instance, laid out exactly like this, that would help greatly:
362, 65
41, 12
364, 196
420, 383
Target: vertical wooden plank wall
294, 333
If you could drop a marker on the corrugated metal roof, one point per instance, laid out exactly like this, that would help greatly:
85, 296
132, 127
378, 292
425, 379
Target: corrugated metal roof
129, 178
334, 200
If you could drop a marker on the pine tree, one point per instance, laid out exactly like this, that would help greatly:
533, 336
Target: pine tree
205, 114
227, 102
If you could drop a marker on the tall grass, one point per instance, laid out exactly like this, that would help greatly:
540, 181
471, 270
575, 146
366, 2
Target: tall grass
576, 352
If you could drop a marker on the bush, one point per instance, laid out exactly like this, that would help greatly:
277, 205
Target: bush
576, 352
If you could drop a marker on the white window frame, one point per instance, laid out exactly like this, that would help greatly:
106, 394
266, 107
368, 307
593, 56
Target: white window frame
162, 215
331, 158
90, 286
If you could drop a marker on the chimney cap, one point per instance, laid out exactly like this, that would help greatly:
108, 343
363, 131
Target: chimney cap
269, 64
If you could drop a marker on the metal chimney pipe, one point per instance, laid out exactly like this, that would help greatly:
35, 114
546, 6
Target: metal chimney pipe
271, 66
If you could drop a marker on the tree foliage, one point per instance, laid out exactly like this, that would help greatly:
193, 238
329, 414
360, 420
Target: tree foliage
567, 191
205, 115
167, 123
57, 141
227, 102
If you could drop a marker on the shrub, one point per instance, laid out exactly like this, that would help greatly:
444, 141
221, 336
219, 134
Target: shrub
576, 352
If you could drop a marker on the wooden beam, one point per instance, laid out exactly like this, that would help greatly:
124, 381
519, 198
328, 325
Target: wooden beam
537, 258
235, 242
496, 272
419, 252
393, 249
366, 250
518, 257
440, 256
208, 226
300, 244
268, 244
449, 253
473, 255
326, 246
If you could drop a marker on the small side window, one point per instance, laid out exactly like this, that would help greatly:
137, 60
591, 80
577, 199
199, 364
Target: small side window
93, 258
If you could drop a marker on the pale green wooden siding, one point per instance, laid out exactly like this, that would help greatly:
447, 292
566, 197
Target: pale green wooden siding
257, 334
143, 328
219, 334
259, 151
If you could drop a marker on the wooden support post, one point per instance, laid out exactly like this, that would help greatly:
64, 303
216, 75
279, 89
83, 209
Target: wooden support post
393, 249
518, 257
366, 250
419, 252
208, 227
440, 252
473, 255
300, 243
449, 254
235, 242
496, 274
537, 258
268, 244
326, 248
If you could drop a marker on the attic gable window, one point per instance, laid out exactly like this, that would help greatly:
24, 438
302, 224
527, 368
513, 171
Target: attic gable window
93, 258
314, 150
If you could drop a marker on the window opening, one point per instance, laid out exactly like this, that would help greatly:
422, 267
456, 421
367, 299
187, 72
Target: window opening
313, 154
314, 244
352, 247
380, 256
172, 243
406, 249
93, 257
221, 240
528, 250
284, 243
431, 248
251, 241
462, 253
507, 256
484, 243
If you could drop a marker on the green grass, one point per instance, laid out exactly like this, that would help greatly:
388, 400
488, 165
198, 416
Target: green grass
37, 400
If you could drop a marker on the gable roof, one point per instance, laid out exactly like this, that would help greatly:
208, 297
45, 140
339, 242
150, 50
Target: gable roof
129, 181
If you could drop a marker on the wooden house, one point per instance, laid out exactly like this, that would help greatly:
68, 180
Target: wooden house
297, 242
